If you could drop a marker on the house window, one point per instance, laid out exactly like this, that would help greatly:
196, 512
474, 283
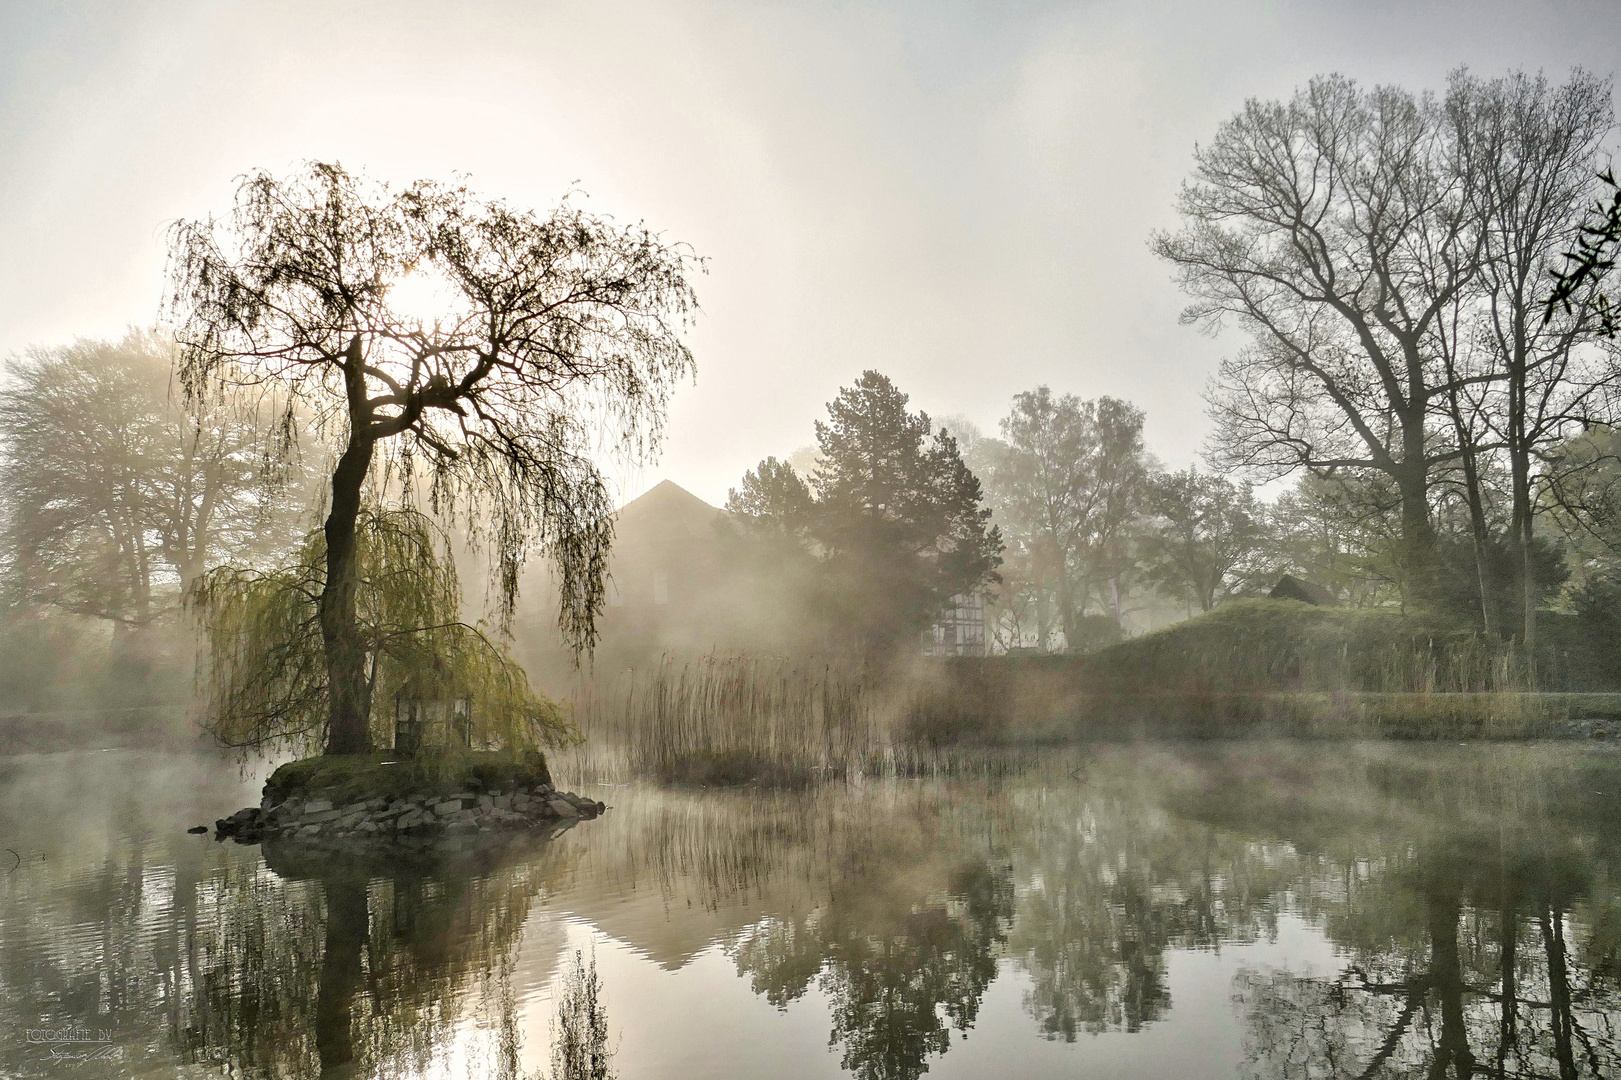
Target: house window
661, 587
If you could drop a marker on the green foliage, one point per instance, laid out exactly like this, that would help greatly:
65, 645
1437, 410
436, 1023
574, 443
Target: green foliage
1204, 530
1592, 260
265, 674
773, 500
899, 515
348, 778
1460, 571
1341, 532
893, 516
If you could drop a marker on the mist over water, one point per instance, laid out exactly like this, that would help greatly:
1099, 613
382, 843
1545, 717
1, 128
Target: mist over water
715, 540
1236, 910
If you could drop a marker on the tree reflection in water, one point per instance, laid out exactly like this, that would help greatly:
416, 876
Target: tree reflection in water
901, 979
356, 962
1469, 895
1455, 926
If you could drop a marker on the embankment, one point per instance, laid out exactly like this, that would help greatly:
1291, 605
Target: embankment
1261, 667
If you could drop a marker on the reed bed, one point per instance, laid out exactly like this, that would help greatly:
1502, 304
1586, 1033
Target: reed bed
728, 720
1248, 669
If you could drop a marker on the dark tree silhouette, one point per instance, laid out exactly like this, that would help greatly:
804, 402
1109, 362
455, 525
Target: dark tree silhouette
1337, 227
546, 327
899, 514
1592, 259
893, 517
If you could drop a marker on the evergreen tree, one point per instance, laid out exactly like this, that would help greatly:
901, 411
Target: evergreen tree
893, 517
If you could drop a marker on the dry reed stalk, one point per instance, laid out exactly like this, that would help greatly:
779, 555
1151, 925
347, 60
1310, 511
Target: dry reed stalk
728, 719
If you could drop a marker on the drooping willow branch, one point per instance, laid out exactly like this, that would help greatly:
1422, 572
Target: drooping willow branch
263, 672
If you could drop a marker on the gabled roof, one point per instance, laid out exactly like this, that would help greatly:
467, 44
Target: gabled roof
667, 508
1290, 587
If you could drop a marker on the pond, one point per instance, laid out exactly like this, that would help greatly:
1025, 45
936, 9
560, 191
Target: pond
1219, 910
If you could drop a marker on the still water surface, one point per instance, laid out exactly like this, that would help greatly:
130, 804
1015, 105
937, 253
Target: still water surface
1238, 910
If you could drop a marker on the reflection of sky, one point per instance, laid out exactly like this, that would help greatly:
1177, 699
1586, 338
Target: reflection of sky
956, 193
664, 922
702, 1021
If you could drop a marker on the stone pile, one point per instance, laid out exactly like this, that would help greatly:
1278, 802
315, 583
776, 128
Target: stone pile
306, 816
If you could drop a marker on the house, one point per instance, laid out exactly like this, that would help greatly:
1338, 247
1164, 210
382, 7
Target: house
960, 629
1290, 587
683, 581
670, 587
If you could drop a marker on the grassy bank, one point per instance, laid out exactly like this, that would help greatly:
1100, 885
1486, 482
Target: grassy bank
1260, 668
1269, 646
348, 778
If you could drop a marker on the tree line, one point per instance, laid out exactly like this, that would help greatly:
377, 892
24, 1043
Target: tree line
1429, 358
1427, 353
1389, 258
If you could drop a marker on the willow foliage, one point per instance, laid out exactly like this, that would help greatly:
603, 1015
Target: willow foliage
265, 676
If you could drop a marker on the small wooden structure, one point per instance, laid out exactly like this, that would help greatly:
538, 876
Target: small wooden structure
422, 723
1290, 587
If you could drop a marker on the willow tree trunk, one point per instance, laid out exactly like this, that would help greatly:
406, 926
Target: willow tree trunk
348, 692
1452, 1052
341, 974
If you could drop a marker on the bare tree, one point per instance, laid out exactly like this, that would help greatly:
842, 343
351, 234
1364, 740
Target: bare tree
1336, 228
544, 325
1535, 149
115, 497
1067, 486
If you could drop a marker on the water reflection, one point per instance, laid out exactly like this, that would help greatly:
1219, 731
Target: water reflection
359, 961
1464, 902
1458, 934
902, 973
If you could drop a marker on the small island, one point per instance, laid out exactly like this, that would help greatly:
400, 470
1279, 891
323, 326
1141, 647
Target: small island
378, 795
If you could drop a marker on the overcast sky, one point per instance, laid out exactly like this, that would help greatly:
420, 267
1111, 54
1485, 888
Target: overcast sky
958, 194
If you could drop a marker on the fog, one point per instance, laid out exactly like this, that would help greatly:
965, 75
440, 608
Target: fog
883, 520
959, 195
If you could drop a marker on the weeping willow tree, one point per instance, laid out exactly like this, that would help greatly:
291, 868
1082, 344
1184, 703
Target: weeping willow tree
265, 671
434, 334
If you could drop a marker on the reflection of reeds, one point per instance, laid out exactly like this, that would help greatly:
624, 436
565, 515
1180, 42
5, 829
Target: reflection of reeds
580, 1029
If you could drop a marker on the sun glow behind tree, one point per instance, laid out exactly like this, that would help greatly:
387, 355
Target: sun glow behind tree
559, 332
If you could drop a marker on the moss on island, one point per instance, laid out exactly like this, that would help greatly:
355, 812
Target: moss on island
376, 795
350, 778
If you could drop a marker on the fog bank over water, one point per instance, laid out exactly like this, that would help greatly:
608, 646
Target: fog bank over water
957, 194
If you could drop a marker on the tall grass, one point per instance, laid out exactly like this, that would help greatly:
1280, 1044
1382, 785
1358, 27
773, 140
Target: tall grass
727, 719
744, 719
1248, 668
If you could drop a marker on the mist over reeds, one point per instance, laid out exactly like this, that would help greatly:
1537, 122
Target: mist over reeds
1252, 670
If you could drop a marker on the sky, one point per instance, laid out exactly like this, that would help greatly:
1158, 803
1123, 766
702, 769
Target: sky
958, 194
